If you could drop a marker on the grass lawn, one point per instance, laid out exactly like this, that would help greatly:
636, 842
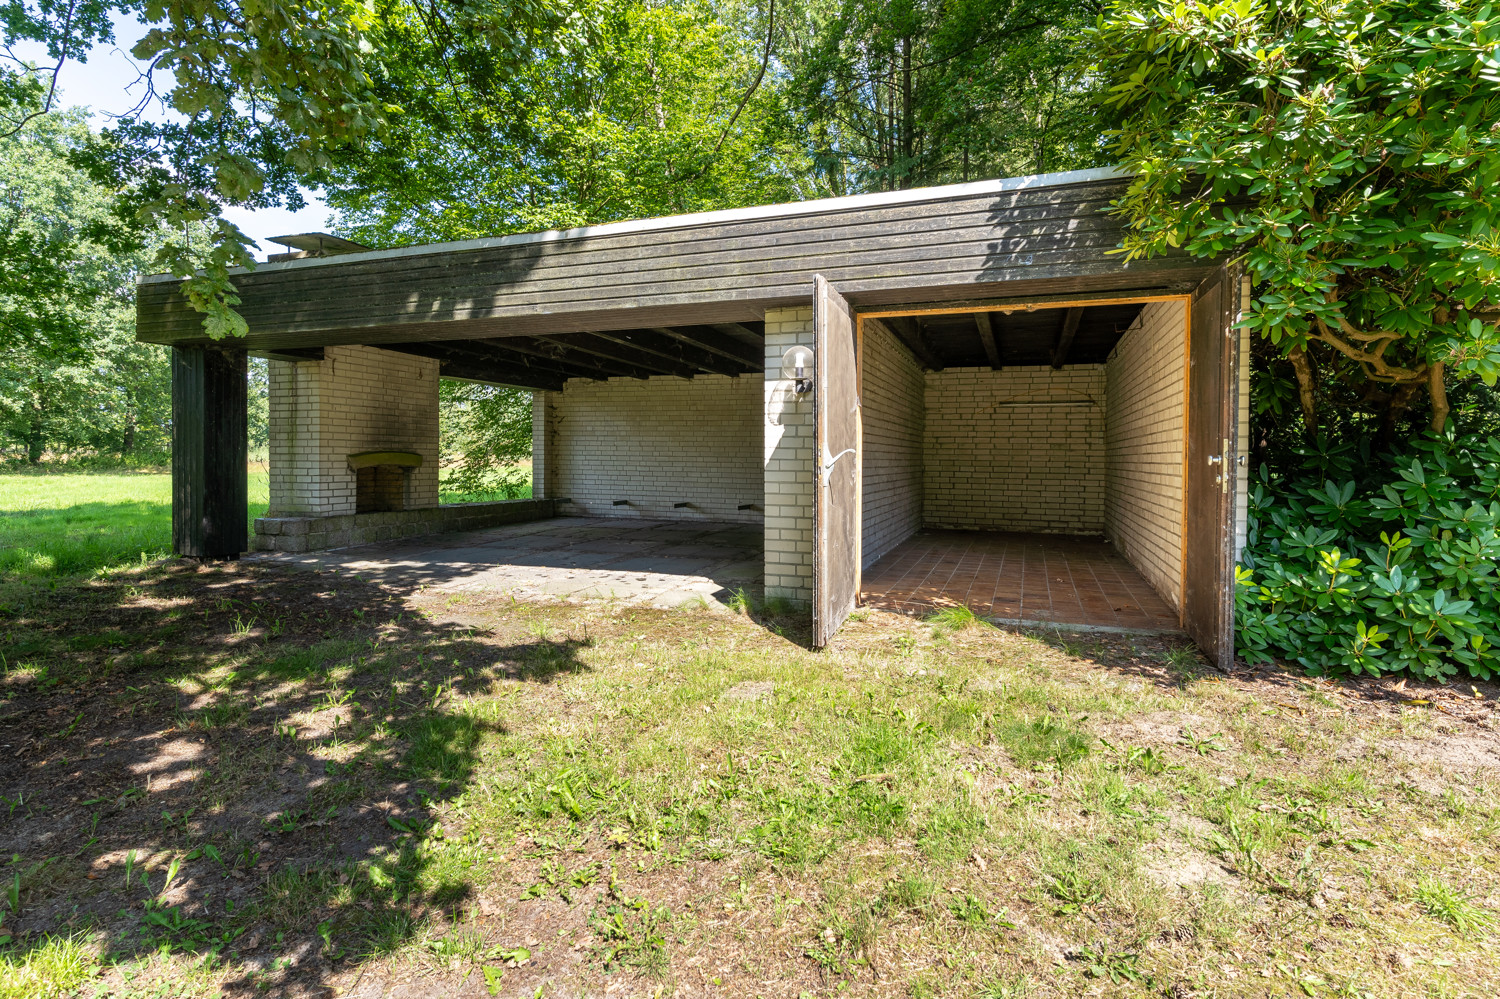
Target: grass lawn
61, 523
254, 780
58, 523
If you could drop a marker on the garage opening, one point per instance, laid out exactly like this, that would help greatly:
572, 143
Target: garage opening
1027, 463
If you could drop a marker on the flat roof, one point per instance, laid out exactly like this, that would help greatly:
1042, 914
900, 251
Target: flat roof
789, 209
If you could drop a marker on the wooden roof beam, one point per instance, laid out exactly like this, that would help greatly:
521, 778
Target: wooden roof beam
567, 354
985, 322
909, 332
494, 362
601, 346
487, 352
669, 348
1065, 334
729, 349
741, 332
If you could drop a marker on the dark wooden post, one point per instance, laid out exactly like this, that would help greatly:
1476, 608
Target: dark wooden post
209, 452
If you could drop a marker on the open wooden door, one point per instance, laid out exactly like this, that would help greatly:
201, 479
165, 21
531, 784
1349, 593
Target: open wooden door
1212, 444
836, 505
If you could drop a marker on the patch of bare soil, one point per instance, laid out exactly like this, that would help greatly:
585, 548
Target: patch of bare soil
1166, 728
1176, 865
1466, 753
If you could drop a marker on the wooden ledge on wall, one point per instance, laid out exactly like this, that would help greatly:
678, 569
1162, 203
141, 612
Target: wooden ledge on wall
368, 459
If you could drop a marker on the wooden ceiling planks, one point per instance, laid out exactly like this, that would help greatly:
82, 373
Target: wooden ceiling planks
547, 362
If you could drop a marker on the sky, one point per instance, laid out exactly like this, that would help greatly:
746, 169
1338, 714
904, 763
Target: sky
107, 85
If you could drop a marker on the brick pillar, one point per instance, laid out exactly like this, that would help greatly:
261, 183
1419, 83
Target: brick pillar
789, 468
544, 444
356, 399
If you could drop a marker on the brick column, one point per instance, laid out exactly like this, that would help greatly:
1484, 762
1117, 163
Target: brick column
539, 446
789, 464
356, 399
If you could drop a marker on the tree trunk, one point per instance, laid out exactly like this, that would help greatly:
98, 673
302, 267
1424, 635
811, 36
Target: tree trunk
1396, 406
36, 430
1439, 393
1302, 365
908, 113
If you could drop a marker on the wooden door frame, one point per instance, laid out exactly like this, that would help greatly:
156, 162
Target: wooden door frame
1033, 305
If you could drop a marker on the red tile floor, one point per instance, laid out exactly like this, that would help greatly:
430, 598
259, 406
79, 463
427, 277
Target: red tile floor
1016, 578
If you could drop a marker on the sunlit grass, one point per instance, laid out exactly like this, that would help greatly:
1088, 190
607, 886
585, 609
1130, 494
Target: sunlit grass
67, 523
60, 523
55, 967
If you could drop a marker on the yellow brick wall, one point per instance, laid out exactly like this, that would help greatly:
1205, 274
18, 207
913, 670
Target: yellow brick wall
655, 443
1020, 449
1144, 440
893, 408
355, 399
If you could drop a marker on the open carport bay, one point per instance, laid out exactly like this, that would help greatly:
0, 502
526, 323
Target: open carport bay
632, 561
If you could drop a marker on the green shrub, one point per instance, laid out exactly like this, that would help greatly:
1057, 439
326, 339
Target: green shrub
1361, 564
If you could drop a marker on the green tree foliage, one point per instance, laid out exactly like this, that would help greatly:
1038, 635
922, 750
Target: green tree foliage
72, 376
486, 433
266, 95
1378, 564
1348, 153
903, 93
628, 109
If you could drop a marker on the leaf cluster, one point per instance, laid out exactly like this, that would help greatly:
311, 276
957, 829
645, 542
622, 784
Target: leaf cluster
1359, 566
1347, 151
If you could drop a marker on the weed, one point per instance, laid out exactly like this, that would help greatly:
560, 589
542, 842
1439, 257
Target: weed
1202, 745
1148, 760
969, 910
632, 933
912, 892
1073, 887
954, 619
1118, 966
53, 966
741, 602
457, 945
1442, 902
1182, 658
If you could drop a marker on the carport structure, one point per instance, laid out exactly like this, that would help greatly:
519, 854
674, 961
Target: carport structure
1000, 410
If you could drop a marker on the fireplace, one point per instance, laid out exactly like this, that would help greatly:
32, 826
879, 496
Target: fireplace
381, 479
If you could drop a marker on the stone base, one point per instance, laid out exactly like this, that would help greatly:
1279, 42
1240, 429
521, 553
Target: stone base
309, 534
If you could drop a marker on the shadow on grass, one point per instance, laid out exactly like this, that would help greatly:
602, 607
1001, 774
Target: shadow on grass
240, 765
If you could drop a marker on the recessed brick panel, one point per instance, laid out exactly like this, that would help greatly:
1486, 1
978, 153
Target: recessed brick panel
1020, 449
892, 389
655, 443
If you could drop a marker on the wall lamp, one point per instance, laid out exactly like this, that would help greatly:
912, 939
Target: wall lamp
795, 364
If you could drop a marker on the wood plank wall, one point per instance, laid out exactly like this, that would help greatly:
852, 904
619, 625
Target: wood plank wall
1032, 240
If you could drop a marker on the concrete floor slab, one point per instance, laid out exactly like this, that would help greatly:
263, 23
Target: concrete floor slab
583, 559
